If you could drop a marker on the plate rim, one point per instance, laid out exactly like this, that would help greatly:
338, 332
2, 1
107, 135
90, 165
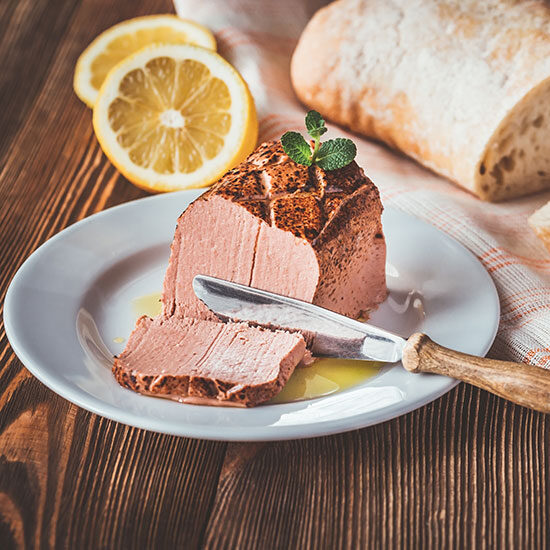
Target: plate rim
91, 403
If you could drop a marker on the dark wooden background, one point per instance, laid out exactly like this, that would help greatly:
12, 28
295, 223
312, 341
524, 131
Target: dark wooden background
469, 470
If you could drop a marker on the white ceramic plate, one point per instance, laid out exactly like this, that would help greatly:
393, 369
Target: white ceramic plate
73, 297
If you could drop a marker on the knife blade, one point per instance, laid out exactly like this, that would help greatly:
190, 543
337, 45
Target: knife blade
329, 334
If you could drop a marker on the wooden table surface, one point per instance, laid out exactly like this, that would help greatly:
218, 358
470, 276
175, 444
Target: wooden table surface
468, 470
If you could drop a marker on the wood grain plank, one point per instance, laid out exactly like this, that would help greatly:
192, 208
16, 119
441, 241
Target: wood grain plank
454, 474
27, 46
132, 489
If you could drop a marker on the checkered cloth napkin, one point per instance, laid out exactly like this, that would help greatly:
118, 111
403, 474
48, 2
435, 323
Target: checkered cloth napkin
258, 38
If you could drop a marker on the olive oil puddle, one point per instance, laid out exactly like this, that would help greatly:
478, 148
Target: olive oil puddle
323, 377
149, 305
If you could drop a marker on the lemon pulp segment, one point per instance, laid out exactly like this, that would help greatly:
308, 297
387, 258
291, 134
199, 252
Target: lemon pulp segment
171, 115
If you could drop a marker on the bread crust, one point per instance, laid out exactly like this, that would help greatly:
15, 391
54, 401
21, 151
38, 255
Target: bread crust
455, 84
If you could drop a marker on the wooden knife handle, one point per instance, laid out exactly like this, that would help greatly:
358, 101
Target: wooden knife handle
520, 383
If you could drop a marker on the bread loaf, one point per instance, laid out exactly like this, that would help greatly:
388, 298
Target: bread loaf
462, 86
540, 224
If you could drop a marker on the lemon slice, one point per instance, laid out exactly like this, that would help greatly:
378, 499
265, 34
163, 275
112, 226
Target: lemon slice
126, 38
175, 117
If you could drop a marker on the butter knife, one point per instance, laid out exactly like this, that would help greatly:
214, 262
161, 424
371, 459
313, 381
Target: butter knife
332, 335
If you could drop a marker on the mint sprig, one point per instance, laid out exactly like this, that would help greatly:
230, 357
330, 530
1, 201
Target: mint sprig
330, 155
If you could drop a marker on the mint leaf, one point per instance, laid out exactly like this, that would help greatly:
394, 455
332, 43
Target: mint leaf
335, 153
315, 125
296, 147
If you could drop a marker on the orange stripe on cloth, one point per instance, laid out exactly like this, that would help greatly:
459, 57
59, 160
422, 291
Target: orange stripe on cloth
526, 300
503, 258
530, 292
533, 309
544, 360
228, 39
507, 254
